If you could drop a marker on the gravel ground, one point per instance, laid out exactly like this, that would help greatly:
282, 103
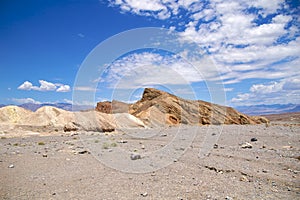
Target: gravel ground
207, 162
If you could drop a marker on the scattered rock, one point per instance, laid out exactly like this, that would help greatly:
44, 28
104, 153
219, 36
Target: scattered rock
287, 147
135, 156
228, 198
144, 194
11, 166
216, 146
244, 179
70, 128
45, 155
143, 147
163, 135
246, 145
122, 141
253, 139
83, 152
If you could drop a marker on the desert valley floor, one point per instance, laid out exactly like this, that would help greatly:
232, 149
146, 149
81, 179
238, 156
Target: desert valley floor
240, 162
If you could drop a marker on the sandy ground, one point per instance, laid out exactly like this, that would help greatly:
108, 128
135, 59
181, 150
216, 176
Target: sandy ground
213, 165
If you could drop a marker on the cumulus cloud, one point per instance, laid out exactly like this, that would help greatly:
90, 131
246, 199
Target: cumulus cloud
45, 86
257, 39
25, 100
247, 39
271, 93
148, 69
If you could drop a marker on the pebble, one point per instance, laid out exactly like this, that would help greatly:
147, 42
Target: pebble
11, 166
122, 141
135, 156
143, 147
163, 135
244, 179
45, 155
253, 139
246, 145
228, 198
216, 146
83, 152
144, 194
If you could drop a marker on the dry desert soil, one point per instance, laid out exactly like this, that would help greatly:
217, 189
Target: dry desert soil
183, 162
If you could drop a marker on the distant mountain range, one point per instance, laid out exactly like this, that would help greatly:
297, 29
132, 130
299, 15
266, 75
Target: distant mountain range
269, 109
64, 106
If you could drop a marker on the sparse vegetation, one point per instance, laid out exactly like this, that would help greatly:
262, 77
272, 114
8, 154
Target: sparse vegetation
105, 145
16, 144
41, 143
3, 137
113, 144
96, 141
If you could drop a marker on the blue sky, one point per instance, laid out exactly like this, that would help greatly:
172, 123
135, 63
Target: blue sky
253, 50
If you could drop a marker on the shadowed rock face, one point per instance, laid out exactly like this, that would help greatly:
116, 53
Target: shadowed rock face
157, 108
112, 107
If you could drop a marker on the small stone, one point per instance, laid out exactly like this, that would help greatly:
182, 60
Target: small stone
143, 147
135, 156
163, 135
11, 166
216, 146
110, 150
45, 155
246, 145
244, 179
228, 198
83, 152
264, 171
253, 139
122, 141
287, 147
144, 194
53, 193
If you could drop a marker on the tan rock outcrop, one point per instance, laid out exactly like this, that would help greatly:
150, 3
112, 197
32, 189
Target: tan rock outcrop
158, 108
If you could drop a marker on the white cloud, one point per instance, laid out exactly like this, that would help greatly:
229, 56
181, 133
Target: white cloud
149, 69
244, 45
233, 35
266, 89
271, 93
26, 86
63, 88
68, 101
85, 88
45, 86
25, 100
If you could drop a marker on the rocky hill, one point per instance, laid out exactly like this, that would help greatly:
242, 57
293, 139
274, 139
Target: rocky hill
51, 118
158, 108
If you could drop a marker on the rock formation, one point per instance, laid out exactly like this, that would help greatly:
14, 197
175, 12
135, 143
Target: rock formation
112, 107
52, 118
158, 108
